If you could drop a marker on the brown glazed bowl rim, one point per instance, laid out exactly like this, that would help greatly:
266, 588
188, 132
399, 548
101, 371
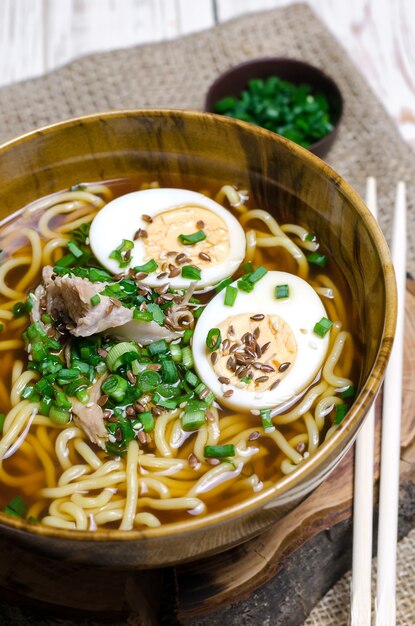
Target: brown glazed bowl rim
357, 410
208, 105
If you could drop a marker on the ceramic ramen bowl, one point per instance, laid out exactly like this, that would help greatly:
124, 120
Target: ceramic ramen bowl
198, 148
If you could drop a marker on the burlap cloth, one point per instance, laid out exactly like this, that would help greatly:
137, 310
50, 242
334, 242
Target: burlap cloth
177, 74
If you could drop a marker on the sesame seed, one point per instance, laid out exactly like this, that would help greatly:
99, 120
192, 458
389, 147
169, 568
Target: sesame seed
147, 218
102, 400
131, 377
256, 332
210, 416
162, 275
115, 302
162, 290
284, 366
172, 253
200, 224
265, 347
140, 234
140, 275
226, 345
142, 437
130, 411
267, 368
261, 379
300, 447
205, 392
253, 436
174, 272
204, 256
275, 384
182, 258
224, 380
231, 364
228, 393
213, 357
257, 317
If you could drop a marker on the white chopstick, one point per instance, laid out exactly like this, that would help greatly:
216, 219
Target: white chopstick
390, 450
361, 595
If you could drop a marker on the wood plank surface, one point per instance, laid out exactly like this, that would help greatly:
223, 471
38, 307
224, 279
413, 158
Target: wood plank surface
39, 35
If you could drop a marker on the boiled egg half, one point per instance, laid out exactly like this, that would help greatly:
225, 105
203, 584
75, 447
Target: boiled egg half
268, 353
174, 228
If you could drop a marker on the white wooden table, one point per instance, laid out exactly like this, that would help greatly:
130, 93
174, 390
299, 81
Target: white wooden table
39, 35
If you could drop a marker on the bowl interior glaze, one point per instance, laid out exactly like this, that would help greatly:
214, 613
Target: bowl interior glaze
284, 179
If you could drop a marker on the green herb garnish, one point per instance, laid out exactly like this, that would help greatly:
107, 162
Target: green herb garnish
188, 240
282, 291
294, 111
317, 259
213, 339
191, 271
322, 327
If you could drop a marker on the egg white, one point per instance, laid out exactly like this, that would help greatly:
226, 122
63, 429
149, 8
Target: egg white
122, 217
301, 311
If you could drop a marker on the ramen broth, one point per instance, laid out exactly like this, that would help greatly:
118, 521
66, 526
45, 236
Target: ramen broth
31, 464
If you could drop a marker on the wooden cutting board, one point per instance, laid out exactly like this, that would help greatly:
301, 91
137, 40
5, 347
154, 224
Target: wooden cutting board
275, 578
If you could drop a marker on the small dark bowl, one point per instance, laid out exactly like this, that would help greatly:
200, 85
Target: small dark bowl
235, 80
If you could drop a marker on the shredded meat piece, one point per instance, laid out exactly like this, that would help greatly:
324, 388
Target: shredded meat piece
90, 416
69, 298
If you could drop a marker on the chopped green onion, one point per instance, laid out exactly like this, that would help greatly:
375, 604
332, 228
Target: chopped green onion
158, 347
46, 318
317, 259
169, 372
27, 392
64, 262
191, 272
82, 395
187, 357
67, 375
245, 285
44, 387
230, 295
45, 405
191, 379
257, 274
62, 400
74, 249
96, 275
341, 410
248, 268
310, 237
124, 352
19, 309
95, 300
187, 335
193, 420
115, 386
147, 420
282, 291
166, 404
213, 339
17, 507
322, 327
350, 392
219, 452
1, 327
176, 352
120, 253
32, 520
266, 419
188, 240
142, 316
2, 418
223, 284
148, 267
30, 302
156, 312
58, 415
148, 380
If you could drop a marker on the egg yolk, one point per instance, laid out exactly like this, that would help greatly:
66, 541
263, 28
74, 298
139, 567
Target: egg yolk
165, 228
257, 351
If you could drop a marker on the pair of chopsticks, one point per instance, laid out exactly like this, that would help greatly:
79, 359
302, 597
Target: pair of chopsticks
361, 596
